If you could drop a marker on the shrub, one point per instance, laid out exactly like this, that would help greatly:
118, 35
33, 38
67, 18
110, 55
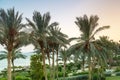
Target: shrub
98, 77
21, 78
117, 69
107, 74
60, 74
118, 74
36, 70
82, 73
80, 77
3, 79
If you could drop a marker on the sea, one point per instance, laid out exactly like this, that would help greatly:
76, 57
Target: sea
18, 62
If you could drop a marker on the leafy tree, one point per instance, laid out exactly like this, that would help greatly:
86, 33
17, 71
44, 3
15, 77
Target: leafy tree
36, 67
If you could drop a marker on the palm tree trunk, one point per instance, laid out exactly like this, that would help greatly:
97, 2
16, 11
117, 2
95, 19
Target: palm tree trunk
53, 66
83, 62
13, 77
49, 64
9, 74
64, 69
57, 64
44, 65
90, 69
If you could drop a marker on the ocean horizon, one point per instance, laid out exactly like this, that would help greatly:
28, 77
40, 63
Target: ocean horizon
18, 62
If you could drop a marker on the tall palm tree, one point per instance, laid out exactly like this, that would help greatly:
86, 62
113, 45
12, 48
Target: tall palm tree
40, 31
86, 42
55, 40
16, 54
11, 34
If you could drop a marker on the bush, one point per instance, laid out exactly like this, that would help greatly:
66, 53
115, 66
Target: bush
60, 74
98, 77
82, 73
117, 69
21, 78
36, 70
23, 73
80, 77
107, 74
83, 77
3, 79
118, 74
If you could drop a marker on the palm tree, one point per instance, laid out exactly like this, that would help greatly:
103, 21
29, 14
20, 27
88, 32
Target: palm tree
78, 56
40, 31
11, 34
112, 48
86, 42
54, 41
64, 55
16, 54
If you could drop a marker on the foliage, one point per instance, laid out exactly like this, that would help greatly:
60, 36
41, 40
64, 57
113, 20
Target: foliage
16, 54
22, 78
40, 31
80, 77
117, 73
3, 78
113, 78
86, 45
107, 74
36, 69
60, 68
117, 69
82, 73
60, 74
23, 73
11, 33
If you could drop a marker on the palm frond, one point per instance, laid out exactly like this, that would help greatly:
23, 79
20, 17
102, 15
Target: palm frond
3, 56
99, 29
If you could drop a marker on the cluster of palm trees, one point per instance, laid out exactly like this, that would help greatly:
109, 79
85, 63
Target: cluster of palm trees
48, 39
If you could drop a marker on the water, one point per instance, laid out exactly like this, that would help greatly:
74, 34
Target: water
18, 62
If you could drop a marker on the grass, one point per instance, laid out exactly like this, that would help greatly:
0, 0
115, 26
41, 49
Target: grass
113, 78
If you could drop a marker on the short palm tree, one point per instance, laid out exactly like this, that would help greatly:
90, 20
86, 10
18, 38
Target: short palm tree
40, 32
112, 48
86, 42
64, 55
78, 56
16, 54
11, 34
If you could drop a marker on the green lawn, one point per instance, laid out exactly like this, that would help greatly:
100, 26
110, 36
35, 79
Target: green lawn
113, 78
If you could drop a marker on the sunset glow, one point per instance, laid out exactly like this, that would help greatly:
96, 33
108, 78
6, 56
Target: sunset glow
66, 11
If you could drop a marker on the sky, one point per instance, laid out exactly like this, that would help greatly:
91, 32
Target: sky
65, 12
